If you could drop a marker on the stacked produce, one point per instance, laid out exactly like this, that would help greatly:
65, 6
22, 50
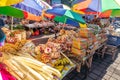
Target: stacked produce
34, 66
27, 68
13, 48
29, 48
65, 39
95, 27
50, 53
60, 64
78, 46
12, 36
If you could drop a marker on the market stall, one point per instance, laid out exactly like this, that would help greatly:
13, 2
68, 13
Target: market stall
51, 57
68, 51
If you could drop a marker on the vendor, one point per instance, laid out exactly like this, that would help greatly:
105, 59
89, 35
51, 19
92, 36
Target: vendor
96, 20
24, 21
2, 35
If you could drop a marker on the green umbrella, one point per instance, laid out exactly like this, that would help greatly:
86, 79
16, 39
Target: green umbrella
74, 15
66, 20
115, 12
14, 12
10, 11
68, 13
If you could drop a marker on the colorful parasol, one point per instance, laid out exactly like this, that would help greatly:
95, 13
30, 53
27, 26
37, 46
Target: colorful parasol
10, 11
66, 20
9, 2
68, 13
108, 13
97, 6
33, 6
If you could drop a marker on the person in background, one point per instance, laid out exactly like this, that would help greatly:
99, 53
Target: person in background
2, 35
96, 20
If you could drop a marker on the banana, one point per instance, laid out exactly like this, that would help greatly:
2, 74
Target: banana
67, 61
60, 68
64, 61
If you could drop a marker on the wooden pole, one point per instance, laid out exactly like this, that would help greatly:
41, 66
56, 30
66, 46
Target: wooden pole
98, 8
12, 24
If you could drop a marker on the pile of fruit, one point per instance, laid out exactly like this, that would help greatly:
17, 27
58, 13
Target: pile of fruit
47, 52
50, 53
61, 64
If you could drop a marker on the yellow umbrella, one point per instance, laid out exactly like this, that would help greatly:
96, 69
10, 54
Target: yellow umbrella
9, 2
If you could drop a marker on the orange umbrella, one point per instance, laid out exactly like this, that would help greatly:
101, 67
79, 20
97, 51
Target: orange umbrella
104, 8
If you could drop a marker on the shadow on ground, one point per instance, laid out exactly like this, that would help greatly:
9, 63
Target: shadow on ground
102, 69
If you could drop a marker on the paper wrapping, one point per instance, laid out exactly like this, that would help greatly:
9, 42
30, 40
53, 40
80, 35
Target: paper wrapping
85, 33
79, 52
18, 37
23, 35
79, 43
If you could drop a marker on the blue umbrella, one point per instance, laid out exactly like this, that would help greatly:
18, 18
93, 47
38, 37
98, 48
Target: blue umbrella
66, 20
67, 13
57, 11
72, 22
61, 6
33, 6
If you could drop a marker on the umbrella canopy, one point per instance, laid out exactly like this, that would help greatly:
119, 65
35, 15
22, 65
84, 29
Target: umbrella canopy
66, 20
67, 13
33, 6
50, 16
97, 6
10, 11
61, 6
9, 2
56, 11
113, 13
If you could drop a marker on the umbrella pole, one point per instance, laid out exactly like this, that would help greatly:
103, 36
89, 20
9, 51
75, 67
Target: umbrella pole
98, 8
12, 24
64, 23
